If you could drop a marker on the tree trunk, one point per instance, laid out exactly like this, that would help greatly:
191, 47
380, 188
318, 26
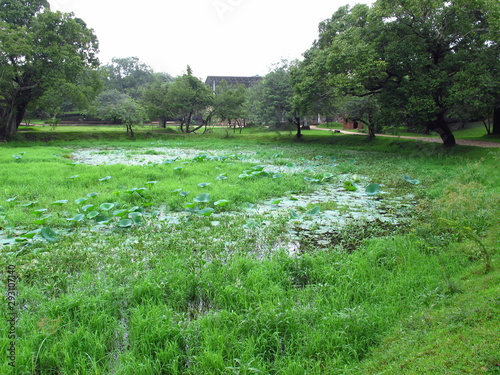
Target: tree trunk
163, 122
296, 121
371, 131
371, 125
9, 122
441, 127
496, 120
187, 123
7, 129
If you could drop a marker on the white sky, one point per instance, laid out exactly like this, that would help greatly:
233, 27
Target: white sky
215, 37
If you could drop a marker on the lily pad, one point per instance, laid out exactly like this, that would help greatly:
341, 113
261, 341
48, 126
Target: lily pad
31, 234
105, 178
29, 204
372, 189
101, 219
206, 211
42, 220
77, 218
48, 234
93, 214
60, 203
314, 211
200, 157
411, 180
309, 179
202, 198
39, 212
125, 223
248, 205
87, 207
136, 217
327, 176
107, 206
120, 213
349, 186
259, 168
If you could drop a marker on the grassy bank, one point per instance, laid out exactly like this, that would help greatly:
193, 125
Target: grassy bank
194, 263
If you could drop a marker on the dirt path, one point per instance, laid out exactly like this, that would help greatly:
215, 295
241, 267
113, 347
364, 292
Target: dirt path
463, 142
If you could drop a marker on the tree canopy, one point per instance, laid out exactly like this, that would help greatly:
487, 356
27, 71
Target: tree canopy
188, 98
39, 50
130, 76
422, 62
274, 102
116, 106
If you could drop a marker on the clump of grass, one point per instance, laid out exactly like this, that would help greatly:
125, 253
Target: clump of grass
194, 294
432, 340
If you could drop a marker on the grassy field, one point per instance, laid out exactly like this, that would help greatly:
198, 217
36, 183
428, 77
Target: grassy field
247, 254
472, 131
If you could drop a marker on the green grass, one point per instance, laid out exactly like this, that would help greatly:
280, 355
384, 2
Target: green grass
457, 336
472, 131
182, 293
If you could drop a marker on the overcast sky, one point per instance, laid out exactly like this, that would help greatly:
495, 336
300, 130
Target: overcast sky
215, 37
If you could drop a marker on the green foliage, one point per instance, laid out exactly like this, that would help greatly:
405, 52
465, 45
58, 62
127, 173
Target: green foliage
129, 75
115, 106
372, 189
408, 63
32, 68
133, 288
188, 97
229, 103
275, 104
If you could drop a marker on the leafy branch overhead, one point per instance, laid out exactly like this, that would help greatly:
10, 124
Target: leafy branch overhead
422, 64
40, 50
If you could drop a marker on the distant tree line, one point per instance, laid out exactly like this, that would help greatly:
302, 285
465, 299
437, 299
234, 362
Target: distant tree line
418, 64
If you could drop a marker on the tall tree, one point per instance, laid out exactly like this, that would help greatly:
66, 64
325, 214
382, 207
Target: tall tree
277, 104
116, 106
188, 98
414, 56
343, 67
433, 47
229, 103
39, 49
156, 101
128, 75
69, 96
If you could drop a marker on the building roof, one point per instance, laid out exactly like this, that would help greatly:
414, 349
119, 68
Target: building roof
213, 81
